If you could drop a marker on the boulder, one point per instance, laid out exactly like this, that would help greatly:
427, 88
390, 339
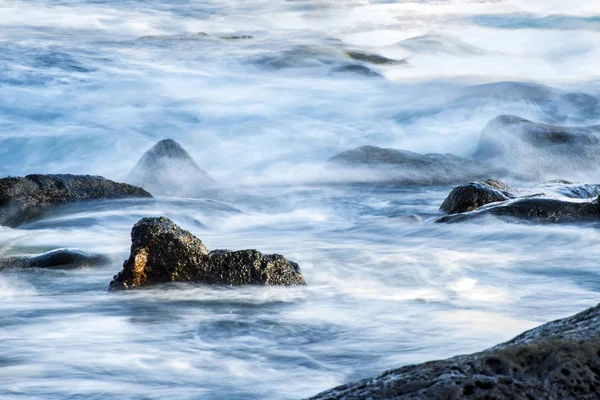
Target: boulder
55, 259
168, 170
537, 150
26, 198
471, 196
535, 209
558, 360
163, 252
370, 164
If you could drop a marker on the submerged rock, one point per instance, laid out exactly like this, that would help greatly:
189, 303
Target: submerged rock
167, 169
163, 252
558, 360
237, 37
370, 164
473, 195
356, 69
56, 259
24, 199
373, 58
536, 150
195, 36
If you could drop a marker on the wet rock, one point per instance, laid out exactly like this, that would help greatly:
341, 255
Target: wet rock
370, 164
373, 58
356, 69
163, 252
24, 199
535, 209
301, 56
56, 259
473, 195
558, 360
168, 170
537, 150
434, 44
571, 190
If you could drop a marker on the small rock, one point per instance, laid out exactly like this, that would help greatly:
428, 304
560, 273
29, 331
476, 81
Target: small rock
473, 195
56, 259
373, 58
163, 252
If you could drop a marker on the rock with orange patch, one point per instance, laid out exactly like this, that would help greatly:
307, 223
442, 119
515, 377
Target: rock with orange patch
162, 252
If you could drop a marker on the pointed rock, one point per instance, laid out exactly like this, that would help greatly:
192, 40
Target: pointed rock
168, 170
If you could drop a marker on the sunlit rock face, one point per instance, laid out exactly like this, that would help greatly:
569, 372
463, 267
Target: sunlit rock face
558, 360
535, 150
162, 252
371, 164
168, 170
26, 198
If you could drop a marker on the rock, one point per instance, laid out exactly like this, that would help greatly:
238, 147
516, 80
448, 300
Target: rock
168, 170
435, 44
24, 199
163, 252
370, 164
473, 195
373, 58
536, 209
56, 259
237, 37
558, 360
571, 190
356, 69
537, 150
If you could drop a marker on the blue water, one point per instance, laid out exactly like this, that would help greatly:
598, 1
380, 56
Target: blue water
82, 91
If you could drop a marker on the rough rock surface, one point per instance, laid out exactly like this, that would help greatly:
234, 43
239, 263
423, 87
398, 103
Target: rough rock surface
163, 252
471, 196
23, 199
376, 164
556, 361
536, 150
535, 209
373, 58
167, 169
58, 259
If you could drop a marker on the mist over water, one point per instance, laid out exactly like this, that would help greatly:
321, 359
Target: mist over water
89, 86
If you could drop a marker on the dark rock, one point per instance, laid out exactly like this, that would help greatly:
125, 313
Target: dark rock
558, 360
372, 164
56, 259
535, 149
167, 169
163, 252
536, 209
301, 56
23, 199
473, 195
237, 37
373, 58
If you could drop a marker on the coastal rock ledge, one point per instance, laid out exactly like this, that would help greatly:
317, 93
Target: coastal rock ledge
162, 252
559, 361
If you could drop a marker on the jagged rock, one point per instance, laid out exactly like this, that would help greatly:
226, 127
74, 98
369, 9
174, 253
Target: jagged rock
558, 360
56, 259
163, 252
372, 164
537, 150
473, 195
536, 209
168, 170
373, 58
24, 199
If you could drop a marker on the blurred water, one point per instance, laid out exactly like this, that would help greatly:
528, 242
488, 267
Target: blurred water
81, 93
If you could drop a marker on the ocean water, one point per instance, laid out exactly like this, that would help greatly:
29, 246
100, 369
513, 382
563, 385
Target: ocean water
88, 86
